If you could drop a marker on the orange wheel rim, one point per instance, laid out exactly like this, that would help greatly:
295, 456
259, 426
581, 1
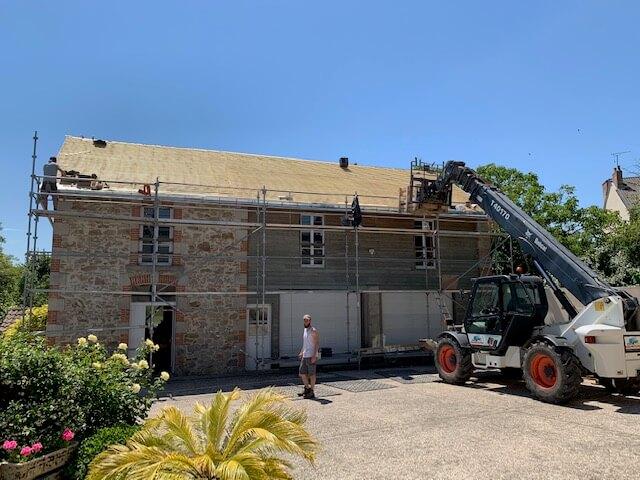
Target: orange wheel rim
447, 358
543, 370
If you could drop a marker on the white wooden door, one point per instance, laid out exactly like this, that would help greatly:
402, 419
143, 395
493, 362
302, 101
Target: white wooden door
258, 338
137, 317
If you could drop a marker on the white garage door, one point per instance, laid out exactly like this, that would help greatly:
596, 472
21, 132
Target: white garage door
328, 311
407, 317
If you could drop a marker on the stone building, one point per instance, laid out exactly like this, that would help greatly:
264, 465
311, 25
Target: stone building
218, 255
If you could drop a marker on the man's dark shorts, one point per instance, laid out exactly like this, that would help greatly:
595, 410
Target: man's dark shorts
306, 367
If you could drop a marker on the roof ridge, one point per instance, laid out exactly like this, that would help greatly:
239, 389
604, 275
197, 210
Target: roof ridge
324, 162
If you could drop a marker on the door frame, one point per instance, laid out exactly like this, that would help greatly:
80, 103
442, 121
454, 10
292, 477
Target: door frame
172, 305
256, 306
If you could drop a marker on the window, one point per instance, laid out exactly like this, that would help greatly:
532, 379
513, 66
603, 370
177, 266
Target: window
519, 299
312, 241
485, 300
164, 238
258, 319
425, 245
485, 309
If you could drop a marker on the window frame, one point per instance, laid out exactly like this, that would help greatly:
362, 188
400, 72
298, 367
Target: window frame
142, 241
311, 247
424, 261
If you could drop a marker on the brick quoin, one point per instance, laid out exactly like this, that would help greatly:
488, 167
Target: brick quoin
124, 316
55, 264
136, 211
57, 241
52, 317
124, 338
181, 288
179, 316
179, 338
133, 259
177, 213
142, 279
167, 279
177, 236
134, 233
243, 267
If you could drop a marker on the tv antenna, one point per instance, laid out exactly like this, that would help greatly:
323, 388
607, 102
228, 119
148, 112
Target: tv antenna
617, 156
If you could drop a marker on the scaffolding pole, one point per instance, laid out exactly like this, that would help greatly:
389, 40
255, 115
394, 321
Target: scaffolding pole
27, 294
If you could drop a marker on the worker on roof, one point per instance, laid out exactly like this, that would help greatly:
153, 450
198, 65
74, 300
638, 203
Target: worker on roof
49, 183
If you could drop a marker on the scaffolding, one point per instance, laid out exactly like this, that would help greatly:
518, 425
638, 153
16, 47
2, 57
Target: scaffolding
254, 216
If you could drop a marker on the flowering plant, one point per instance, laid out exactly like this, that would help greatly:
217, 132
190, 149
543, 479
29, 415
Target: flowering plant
51, 395
18, 454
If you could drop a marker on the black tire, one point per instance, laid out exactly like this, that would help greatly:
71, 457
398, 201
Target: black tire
624, 386
552, 375
456, 367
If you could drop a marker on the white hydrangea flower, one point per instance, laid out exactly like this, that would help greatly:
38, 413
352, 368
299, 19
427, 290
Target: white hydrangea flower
82, 341
96, 365
135, 366
143, 364
149, 343
135, 388
123, 346
164, 376
92, 338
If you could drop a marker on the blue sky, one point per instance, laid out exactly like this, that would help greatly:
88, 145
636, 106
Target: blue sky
545, 86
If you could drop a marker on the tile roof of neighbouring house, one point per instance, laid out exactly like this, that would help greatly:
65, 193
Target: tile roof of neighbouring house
235, 175
10, 318
630, 192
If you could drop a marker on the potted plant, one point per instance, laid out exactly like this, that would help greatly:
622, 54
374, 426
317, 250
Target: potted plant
26, 462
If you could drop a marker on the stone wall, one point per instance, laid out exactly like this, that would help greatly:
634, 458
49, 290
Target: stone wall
95, 262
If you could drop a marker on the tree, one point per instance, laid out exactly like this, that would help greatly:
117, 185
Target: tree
210, 445
9, 280
587, 232
37, 271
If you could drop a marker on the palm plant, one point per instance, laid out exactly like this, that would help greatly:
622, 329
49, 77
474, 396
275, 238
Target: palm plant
213, 443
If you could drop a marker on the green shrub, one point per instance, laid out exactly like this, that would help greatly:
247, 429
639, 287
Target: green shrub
97, 443
45, 390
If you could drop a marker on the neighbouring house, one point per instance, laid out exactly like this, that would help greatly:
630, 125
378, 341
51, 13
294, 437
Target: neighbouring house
621, 193
218, 255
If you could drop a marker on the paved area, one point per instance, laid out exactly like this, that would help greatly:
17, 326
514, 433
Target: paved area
416, 427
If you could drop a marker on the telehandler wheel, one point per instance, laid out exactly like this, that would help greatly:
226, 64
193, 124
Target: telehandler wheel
552, 375
452, 361
624, 386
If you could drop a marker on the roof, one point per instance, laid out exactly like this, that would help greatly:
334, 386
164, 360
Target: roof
10, 318
630, 191
192, 171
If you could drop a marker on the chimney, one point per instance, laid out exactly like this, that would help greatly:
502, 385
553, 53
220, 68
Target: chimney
344, 162
617, 177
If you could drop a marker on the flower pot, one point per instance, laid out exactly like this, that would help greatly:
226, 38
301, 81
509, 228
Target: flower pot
38, 466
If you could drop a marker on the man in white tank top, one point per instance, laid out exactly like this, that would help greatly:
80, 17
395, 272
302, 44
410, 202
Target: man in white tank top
308, 357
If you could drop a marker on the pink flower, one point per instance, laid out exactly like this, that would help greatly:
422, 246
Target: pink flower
26, 451
36, 447
67, 435
10, 445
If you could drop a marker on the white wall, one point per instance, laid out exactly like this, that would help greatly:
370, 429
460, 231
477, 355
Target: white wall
407, 317
328, 311
614, 203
